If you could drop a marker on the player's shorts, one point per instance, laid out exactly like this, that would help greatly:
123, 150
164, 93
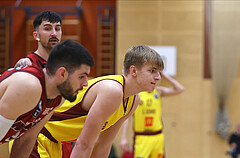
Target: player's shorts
45, 148
149, 146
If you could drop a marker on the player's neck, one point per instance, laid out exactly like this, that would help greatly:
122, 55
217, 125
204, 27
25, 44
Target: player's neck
50, 84
130, 87
42, 53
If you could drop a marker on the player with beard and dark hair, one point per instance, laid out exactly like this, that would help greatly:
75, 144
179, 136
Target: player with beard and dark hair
48, 32
30, 94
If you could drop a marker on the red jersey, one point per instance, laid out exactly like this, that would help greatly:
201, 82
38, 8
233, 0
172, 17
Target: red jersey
37, 59
29, 119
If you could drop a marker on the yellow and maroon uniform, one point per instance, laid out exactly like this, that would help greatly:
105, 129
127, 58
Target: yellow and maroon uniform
67, 121
148, 137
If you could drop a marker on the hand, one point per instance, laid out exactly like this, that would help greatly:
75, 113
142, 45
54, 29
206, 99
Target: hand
23, 62
164, 75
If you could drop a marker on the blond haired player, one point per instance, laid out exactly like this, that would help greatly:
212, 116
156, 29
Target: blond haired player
148, 136
95, 117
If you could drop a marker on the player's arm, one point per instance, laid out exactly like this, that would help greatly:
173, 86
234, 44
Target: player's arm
20, 93
176, 88
108, 98
105, 140
23, 62
23, 146
28, 140
124, 142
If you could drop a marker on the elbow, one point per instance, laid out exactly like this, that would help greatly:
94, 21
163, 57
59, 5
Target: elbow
82, 146
182, 89
179, 90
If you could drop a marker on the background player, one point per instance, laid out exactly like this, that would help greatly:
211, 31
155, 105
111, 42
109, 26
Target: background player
148, 136
48, 32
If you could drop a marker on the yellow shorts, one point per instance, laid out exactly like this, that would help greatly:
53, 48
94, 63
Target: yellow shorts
44, 148
149, 146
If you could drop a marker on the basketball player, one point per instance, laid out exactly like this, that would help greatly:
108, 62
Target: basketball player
28, 95
48, 33
148, 136
95, 117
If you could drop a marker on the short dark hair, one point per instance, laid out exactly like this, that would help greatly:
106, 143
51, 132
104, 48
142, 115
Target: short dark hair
50, 16
68, 54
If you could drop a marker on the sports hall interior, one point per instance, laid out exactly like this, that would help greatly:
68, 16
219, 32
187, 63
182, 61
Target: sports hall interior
205, 33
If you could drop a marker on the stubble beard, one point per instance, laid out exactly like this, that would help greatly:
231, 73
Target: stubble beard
66, 91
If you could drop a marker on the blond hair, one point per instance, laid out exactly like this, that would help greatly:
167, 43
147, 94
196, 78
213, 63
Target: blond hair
140, 55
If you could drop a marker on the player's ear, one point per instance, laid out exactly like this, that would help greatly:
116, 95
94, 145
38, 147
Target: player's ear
35, 35
62, 74
133, 70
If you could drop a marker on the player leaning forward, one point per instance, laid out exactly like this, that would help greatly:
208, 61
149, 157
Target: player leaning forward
95, 117
28, 95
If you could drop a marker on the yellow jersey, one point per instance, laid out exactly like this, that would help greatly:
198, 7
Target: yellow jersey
147, 117
68, 120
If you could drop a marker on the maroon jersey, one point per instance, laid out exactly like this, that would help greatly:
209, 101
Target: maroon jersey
29, 119
37, 59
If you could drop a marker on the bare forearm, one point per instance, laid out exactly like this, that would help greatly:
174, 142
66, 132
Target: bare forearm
81, 151
22, 148
174, 83
124, 129
101, 150
104, 142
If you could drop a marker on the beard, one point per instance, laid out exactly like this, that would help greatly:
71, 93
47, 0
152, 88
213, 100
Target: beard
48, 46
66, 91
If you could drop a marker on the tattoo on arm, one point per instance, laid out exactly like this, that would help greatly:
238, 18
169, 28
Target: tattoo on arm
21, 62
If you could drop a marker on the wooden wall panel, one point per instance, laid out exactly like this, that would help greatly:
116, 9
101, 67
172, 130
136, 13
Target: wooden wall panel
189, 117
